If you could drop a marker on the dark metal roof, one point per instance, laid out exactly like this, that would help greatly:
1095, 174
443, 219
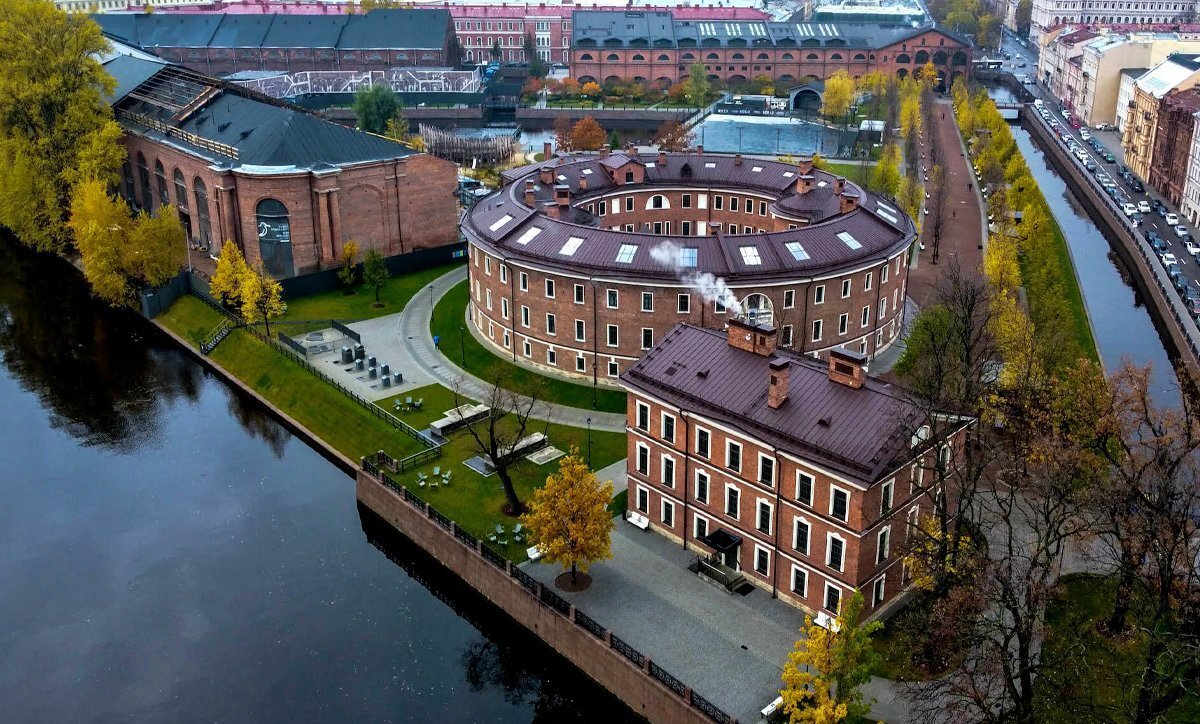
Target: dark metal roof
858, 433
401, 28
129, 72
305, 31
241, 31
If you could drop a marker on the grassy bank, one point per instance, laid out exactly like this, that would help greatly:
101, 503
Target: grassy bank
360, 305
457, 342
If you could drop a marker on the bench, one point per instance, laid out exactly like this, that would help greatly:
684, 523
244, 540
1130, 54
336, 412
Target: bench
528, 444
534, 553
460, 416
771, 708
638, 519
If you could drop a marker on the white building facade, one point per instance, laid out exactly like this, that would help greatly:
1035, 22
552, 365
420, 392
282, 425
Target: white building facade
1190, 203
1052, 13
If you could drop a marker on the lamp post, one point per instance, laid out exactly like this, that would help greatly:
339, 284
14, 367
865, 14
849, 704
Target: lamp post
589, 434
462, 345
432, 320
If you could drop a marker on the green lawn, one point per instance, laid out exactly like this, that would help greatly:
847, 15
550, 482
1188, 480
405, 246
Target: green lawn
360, 305
449, 322
339, 420
851, 171
897, 641
476, 502
1101, 673
1058, 272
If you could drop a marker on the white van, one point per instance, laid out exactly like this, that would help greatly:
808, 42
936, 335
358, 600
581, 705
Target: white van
1037, 102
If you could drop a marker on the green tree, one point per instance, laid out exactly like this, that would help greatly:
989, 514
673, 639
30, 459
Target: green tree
538, 67
375, 273
375, 106
229, 278
697, 85
56, 130
398, 128
839, 94
568, 518
349, 259
885, 179
823, 674
1024, 16
262, 298
496, 52
614, 140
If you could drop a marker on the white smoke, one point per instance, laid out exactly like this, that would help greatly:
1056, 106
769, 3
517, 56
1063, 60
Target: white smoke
712, 288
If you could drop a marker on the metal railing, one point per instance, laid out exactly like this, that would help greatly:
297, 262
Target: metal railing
710, 710
212, 340
555, 601
589, 624
436, 516
624, 649
492, 556
717, 571
526, 580
667, 679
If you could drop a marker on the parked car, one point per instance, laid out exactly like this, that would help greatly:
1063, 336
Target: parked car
1137, 186
1172, 219
1109, 158
1191, 298
1129, 209
1192, 247
1160, 246
1144, 206
1085, 135
1180, 229
1066, 113
1169, 259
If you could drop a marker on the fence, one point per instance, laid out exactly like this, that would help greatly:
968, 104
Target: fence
346, 330
546, 597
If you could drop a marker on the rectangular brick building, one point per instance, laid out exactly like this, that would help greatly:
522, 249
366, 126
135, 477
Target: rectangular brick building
287, 187
798, 476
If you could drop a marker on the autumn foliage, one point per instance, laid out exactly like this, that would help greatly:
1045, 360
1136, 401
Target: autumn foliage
568, 519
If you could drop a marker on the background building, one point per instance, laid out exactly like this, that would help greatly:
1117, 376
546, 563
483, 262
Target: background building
579, 264
1173, 142
1048, 14
794, 475
287, 187
658, 48
1141, 121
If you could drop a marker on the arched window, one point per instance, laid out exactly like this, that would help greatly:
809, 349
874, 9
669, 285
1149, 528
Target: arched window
689, 56
127, 180
160, 178
612, 56
812, 56
859, 56
758, 309
712, 56
639, 58
738, 56
762, 56
585, 56
658, 201
181, 194
922, 57
664, 56
835, 56
143, 172
274, 238
903, 58
202, 220
788, 56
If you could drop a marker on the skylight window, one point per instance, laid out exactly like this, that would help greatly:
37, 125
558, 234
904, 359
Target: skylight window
788, 174
687, 256
571, 246
849, 240
587, 172
562, 178
797, 251
750, 255
756, 169
529, 235
625, 255
500, 222
650, 165
822, 184
709, 164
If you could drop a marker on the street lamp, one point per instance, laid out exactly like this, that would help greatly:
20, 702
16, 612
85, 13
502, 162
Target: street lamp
589, 433
462, 345
432, 319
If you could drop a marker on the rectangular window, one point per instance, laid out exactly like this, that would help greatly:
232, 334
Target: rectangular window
866, 315
647, 301
816, 334
503, 273
867, 282
643, 459
668, 427
733, 456
629, 202
786, 336
883, 307
764, 517
643, 500
731, 502
504, 308
686, 201
647, 337
668, 513
684, 303
551, 357
700, 527
524, 282
845, 288
885, 498
580, 363
643, 417
668, 471
733, 203
613, 368
551, 328
883, 548
789, 298
835, 553
579, 294
701, 486
487, 265
799, 581
877, 591
839, 504
612, 335
527, 349
819, 294
550, 288
843, 323
762, 208
883, 274
580, 328
702, 442
612, 298
833, 598
762, 560
687, 228
719, 203
524, 316
487, 295
800, 536
766, 470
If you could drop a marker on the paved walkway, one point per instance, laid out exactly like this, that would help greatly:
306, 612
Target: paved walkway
966, 230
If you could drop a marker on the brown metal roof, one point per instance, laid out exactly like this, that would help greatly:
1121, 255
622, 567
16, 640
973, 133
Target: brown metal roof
860, 433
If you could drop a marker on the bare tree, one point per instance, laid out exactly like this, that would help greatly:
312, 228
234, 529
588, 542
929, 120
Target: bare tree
511, 416
939, 207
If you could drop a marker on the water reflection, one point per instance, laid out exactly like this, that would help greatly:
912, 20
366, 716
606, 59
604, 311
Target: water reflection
507, 658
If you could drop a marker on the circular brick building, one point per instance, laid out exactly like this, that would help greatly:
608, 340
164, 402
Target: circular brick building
582, 262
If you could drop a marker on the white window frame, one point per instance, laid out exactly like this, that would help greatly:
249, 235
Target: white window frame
707, 487
662, 426
640, 492
647, 296
640, 409
818, 329
639, 448
580, 296
707, 455
846, 288
878, 590
796, 523
697, 520
612, 337
833, 489
812, 488
758, 508
663, 461
829, 538
580, 330
762, 458
737, 514
729, 445
887, 492
664, 506
819, 294
803, 592
758, 552
524, 282
883, 544
612, 298
825, 598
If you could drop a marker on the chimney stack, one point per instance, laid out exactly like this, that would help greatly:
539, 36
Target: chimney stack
582, 185
551, 209
839, 185
846, 367
604, 151
562, 195
777, 388
805, 165
699, 150
529, 195
737, 159
849, 202
547, 151
662, 158
804, 184
754, 338
546, 174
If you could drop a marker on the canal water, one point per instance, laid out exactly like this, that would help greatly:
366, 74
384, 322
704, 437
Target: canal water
1120, 322
170, 553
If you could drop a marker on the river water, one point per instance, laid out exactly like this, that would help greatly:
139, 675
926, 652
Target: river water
1120, 322
170, 553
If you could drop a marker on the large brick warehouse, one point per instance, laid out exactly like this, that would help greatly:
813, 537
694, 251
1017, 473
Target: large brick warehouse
656, 48
287, 187
583, 262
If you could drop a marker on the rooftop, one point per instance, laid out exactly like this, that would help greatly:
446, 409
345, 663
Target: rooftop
1169, 74
860, 433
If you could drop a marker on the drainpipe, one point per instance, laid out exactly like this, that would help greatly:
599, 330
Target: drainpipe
512, 306
687, 459
803, 334
595, 342
878, 319
775, 525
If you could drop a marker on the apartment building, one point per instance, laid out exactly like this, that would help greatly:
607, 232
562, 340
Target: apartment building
1141, 121
1048, 14
792, 474
1173, 142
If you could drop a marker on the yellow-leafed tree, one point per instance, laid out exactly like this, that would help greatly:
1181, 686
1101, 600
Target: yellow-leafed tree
230, 276
568, 518
839, 94
262, 298
822, 676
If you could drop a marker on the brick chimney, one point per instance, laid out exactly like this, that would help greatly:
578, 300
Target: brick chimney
604, 151
582, 185
546, 174
737, 159
805, 165
547, 150
754, 338
529, 195
839, 185
846, 367
662, 158
551, 210
849, 202
699, 150
804, 184
777, 387
562, 197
